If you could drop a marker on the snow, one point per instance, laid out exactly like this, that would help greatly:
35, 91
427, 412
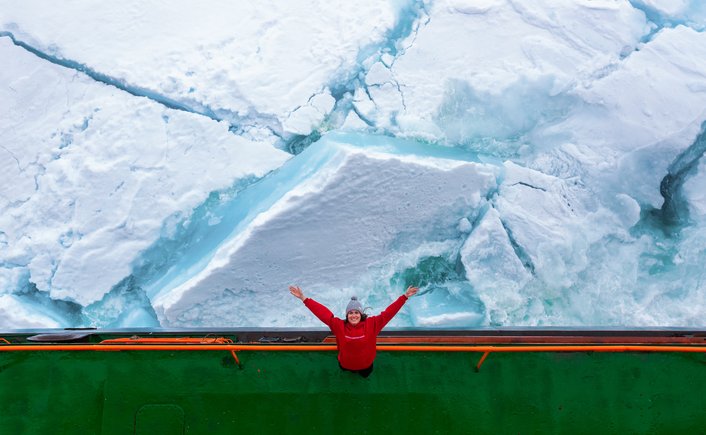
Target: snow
99, 172
15, 313
166, 163
250, 63
489, 78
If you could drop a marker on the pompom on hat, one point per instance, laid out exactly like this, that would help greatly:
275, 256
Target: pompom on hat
354, 304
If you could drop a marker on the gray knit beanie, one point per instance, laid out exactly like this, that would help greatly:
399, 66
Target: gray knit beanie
354, 305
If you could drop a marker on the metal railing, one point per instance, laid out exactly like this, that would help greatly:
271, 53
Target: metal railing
224, 344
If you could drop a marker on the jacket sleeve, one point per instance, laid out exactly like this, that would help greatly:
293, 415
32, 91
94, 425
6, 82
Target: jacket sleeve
320, 311
389, 312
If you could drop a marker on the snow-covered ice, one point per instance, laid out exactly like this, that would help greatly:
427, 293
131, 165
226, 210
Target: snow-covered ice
359, 210
525, 164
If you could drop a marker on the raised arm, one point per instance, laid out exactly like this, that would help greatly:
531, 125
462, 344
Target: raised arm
389, 312
320, 311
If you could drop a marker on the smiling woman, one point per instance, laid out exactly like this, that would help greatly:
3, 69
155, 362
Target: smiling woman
356, 336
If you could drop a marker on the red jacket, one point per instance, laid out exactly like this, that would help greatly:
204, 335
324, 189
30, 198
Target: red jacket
356, 344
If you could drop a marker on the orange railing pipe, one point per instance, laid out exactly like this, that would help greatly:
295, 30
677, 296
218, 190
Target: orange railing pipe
233, 348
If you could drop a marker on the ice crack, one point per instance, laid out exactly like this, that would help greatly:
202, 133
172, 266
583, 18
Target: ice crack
522, 183
661, 20
17, 161
347, 83
675, 210
136, 91
520, 252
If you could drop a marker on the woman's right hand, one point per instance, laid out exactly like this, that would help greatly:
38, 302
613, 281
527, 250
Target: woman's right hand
296, 291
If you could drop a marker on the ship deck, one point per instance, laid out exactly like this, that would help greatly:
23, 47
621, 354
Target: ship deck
288, 381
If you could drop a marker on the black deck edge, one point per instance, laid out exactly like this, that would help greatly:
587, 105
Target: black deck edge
317, 334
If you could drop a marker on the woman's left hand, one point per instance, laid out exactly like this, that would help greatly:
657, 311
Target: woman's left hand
411, 291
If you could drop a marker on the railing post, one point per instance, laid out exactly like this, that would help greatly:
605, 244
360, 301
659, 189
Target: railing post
485, 355
237, 361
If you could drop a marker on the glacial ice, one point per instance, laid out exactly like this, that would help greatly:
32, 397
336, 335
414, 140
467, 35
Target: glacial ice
534, 164
99, 173
336, 230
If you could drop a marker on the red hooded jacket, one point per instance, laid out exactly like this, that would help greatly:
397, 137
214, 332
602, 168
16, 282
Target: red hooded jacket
356, 344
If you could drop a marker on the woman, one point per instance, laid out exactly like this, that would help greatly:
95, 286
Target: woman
356, 336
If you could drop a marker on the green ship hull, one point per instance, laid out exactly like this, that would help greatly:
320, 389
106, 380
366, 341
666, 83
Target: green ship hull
289, 382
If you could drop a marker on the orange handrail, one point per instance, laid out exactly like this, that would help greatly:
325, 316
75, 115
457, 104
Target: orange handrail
2, 339
232, 348
317, 348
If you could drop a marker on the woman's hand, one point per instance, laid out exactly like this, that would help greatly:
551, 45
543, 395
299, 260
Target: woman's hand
297, 292
411, 291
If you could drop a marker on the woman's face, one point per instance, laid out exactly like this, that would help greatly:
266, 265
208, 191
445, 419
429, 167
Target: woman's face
353, 317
